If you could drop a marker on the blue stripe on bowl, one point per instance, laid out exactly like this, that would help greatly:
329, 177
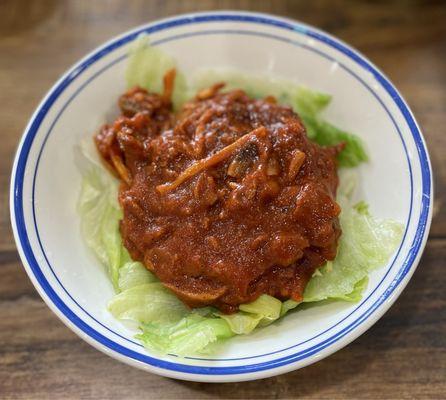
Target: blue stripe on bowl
78, 70
225, 32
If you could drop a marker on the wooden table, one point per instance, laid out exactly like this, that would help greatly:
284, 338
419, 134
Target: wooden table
402, 356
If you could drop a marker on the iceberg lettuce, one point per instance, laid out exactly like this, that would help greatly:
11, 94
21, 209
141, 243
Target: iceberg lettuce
166, 324
146, 68
100, 214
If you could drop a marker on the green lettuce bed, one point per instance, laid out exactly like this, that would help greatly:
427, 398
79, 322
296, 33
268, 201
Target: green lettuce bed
166, 324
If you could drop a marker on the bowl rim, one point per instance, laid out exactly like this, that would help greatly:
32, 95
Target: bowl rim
233, 373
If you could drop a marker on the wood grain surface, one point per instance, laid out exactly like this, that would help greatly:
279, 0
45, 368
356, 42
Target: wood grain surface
402, 356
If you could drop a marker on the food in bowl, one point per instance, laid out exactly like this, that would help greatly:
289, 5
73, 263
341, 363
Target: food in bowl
228, 213
226, 200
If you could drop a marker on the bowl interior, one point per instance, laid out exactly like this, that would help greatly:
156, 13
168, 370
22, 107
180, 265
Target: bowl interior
391, 182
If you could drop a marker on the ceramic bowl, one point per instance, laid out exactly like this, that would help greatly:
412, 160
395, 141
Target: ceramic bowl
397, 183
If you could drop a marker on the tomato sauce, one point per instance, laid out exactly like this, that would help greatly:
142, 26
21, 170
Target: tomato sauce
226, 199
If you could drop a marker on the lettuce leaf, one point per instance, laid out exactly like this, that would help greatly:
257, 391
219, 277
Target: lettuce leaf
133, 273
191, 335
265, 306
366, 244
166, 324
147, 303
146, 68
242, 323
261, 312
100, 215
327, 134
288, 305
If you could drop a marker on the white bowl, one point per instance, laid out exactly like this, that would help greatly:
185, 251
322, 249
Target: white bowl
45, 182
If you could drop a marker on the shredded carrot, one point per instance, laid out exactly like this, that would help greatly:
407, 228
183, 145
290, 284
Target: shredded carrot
295, 164
270, 99
121, 169
168, 82
210, 161
206, 93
